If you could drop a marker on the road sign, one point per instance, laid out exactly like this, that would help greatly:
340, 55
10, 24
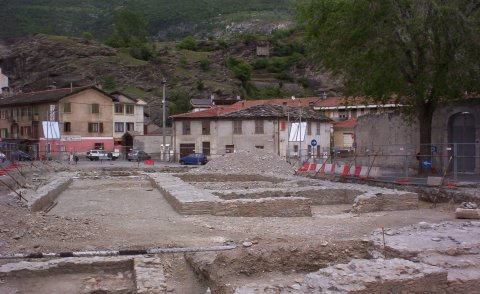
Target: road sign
427, 163
313, 142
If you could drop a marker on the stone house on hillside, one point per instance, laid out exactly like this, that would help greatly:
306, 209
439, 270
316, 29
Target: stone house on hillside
251, 124
68, 120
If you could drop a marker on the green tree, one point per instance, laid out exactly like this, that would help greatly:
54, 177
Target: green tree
130, 30
426, 52
180, 102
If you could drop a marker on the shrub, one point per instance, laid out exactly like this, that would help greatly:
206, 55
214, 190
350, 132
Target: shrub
188, 43
259, 63
205, 64
87, 37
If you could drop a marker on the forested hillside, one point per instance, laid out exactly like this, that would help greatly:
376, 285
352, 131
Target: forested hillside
166, 19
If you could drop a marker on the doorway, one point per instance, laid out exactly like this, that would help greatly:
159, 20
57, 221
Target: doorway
462, 135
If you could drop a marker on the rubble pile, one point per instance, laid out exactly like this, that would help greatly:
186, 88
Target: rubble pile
255, 161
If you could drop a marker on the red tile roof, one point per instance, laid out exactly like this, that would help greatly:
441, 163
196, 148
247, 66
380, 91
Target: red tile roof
219, 110
346, 124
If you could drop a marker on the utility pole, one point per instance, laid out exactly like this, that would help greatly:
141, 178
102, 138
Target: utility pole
163, 117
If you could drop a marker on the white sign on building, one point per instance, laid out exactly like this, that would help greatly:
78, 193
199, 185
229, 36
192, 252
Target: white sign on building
51, 129
297, 132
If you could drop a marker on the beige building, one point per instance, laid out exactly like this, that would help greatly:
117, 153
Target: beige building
61, 120
281, 129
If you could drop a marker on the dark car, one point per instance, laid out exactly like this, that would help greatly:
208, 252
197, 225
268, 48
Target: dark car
20, 156
137, 155
194, 158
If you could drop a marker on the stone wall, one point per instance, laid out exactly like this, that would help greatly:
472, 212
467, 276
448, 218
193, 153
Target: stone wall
385, 202
187, 199
49, 192
389, 137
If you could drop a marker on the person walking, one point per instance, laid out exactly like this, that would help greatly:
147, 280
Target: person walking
70, 158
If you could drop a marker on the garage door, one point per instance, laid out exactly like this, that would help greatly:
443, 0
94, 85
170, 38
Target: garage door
186, 149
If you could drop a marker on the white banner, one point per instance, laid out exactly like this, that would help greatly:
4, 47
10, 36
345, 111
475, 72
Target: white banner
297, 132
51, 129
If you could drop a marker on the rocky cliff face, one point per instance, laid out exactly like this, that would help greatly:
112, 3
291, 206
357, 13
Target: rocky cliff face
39, 61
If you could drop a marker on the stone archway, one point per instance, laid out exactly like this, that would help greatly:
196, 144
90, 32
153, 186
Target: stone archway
461, 131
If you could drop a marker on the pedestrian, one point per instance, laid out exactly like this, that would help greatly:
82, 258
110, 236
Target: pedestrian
70, 158
76, 159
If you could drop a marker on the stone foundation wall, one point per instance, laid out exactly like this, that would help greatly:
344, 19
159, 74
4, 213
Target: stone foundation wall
385, 202
48, 193
187, 199
269, 207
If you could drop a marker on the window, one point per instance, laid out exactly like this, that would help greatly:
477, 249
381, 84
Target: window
95, 108
295, 148
67, 107
98, 146
318, 128
186, 128
3, 114
27, 131
35, 127
259, 147
206, 127
309, 128
130, 109
23, 111
95, 127
237, 127
118, 108
67, 127
119, 127
229, 148
206, 148
130, 127
4, 133
259, 127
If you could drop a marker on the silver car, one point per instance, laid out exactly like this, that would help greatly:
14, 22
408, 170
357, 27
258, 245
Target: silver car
137, 155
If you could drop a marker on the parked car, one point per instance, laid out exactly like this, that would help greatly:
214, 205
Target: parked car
3, 157
20, 156
97, 154
137, 155
194, 158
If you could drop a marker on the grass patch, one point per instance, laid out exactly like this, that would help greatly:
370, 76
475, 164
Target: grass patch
135, 92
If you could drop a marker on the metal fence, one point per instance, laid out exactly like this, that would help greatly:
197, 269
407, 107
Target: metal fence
455, 160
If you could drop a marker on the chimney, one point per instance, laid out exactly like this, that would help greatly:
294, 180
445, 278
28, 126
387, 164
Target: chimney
324, 96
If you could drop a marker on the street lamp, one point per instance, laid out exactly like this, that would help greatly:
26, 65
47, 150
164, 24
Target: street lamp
163, 116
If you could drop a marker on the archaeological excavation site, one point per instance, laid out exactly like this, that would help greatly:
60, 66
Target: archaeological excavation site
243, 223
